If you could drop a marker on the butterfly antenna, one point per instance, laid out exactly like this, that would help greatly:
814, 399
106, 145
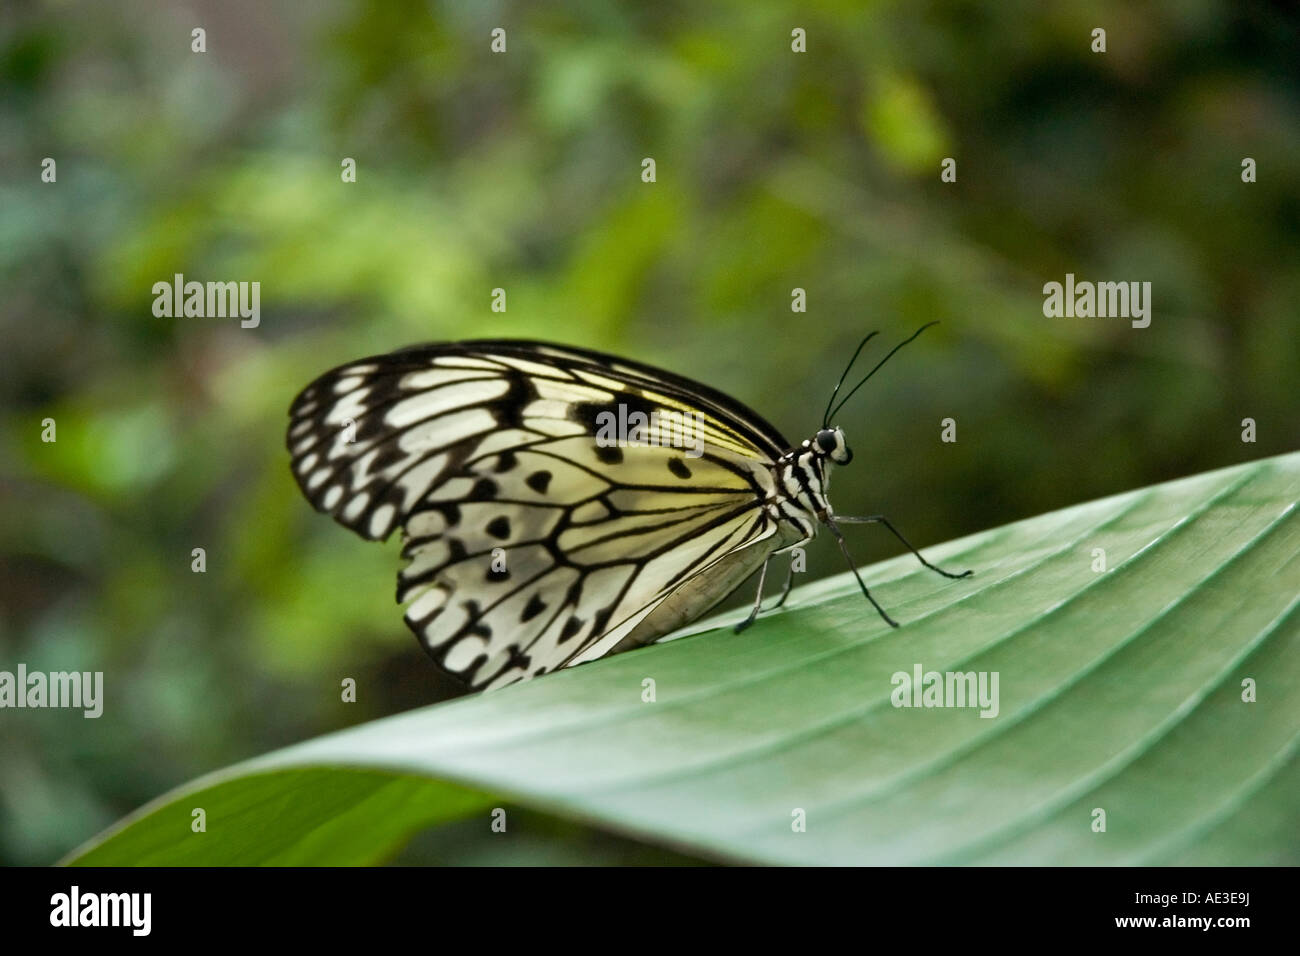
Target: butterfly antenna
830, 414
827, 417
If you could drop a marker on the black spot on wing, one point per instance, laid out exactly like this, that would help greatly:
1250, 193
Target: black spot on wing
534, 607
499, 527
539, 481
509, 407
587, 414
609, 454
678, 468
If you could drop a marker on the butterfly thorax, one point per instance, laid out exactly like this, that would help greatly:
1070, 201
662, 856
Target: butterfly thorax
802, 477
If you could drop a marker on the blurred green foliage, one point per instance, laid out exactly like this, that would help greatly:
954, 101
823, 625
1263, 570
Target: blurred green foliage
775, 170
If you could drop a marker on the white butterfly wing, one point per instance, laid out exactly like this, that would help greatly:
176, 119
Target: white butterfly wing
531, 546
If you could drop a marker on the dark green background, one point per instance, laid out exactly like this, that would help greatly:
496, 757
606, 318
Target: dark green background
522, 171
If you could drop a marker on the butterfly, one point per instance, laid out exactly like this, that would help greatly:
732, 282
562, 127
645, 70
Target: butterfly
557, 504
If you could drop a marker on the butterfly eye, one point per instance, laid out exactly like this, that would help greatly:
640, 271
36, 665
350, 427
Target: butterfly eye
826, 440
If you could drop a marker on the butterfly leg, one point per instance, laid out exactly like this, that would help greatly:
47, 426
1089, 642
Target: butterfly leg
844, 549
789, 583
881, 519
758, 599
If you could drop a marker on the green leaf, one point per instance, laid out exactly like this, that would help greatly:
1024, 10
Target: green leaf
1118, 690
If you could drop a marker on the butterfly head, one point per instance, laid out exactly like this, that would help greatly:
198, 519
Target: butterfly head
831, 443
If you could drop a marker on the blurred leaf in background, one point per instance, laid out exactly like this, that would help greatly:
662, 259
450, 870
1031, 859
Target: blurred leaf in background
775, 170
